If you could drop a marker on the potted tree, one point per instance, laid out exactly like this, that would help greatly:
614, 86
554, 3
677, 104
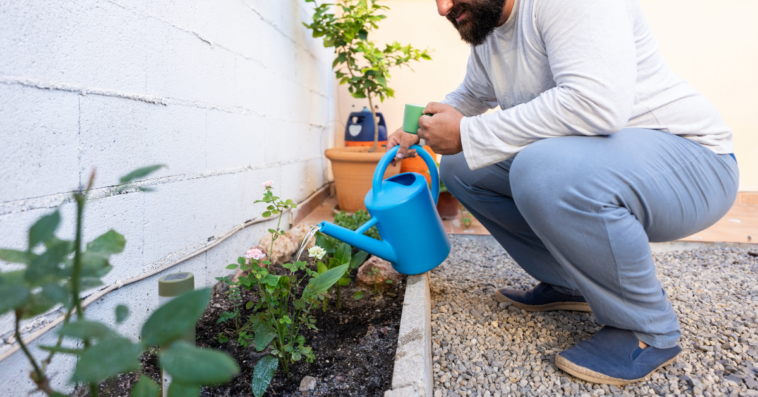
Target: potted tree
364, 67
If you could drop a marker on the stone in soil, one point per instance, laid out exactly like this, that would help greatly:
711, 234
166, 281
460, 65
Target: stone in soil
296, 235
714, 292
307, 384
283, 249
367, 277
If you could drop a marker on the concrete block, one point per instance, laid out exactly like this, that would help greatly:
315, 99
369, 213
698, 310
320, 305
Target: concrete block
89, 43
303, 178
288, 141
232, 24
258, 88
119, 136
234, 140
125, 214
408, 391
413, 358
40, 142
181, 66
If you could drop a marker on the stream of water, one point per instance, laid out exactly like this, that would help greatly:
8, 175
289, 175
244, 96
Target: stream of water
308, 236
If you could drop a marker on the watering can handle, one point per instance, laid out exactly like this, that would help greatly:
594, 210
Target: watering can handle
385, 162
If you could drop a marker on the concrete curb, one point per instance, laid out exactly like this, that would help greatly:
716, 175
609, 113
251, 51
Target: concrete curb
412, 374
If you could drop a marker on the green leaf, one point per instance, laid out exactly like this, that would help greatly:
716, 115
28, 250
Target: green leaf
177, 389
344, 281
13, 256
56, 293
192, 366
176, 318
43, 268
43, 229
84, 329
145, 387
112, 356
343, 253
325, 280
264, 334
140, 173
266, 214
357, 295
13, 293
122, 312
108, 243
358, 259
262, 374
321, 267
36, 305
249, 305
232, 266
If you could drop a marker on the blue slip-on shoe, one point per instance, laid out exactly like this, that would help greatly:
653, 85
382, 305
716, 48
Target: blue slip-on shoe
613, 357
542, 298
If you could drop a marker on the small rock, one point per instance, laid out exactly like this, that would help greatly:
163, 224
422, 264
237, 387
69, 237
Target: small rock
386, 272
283, 249
308, 383
296, 235
503, 305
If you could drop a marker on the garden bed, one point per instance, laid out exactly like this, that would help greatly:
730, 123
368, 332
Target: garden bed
354, 348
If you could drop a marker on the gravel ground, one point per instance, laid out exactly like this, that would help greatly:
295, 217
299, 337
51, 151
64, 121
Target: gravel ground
488, 349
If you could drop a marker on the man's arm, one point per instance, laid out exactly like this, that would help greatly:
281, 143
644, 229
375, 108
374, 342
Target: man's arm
591, 50
475, 95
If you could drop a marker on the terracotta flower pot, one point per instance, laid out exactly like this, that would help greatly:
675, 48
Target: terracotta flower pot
353, 169
447, 206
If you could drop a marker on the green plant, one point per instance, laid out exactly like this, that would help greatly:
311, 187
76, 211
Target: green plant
466, 221
279, 316
359, 63
354, 221
55, 271
374, 273
336, 254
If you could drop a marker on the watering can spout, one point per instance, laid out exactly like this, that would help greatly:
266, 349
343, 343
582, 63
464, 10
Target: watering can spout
356, 238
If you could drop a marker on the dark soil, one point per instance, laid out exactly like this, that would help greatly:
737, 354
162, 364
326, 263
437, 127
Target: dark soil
354, 347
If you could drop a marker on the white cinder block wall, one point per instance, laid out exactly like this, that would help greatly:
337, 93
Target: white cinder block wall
227, 93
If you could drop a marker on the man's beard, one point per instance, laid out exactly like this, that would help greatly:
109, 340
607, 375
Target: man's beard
482, 19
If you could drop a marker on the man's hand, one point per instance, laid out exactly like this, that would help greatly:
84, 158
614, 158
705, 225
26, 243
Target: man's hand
442, 131
405, 140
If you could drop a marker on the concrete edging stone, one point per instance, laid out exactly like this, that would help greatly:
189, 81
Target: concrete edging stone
412, 373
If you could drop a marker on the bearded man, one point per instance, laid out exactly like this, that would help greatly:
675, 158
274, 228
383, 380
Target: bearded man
598, 148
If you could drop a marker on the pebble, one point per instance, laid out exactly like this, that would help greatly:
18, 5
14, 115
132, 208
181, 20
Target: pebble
308, 383
482, 347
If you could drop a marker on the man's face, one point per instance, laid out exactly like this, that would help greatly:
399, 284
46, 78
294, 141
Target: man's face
475, 19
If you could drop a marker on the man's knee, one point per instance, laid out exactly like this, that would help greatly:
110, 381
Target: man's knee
541, 174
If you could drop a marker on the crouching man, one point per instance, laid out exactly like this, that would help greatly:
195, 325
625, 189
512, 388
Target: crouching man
598, 148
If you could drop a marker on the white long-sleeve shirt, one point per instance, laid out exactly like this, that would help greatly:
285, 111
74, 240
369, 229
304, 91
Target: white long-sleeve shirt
575, 67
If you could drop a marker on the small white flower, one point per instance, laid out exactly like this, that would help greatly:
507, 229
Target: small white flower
316, 252
267, 184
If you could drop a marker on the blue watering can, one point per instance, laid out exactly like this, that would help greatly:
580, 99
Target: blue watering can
405, 213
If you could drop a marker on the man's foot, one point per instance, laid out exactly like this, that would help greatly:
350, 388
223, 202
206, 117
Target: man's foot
542, 298
614, 357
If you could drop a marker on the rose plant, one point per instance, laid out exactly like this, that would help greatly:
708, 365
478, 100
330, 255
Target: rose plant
279, 315
55, 272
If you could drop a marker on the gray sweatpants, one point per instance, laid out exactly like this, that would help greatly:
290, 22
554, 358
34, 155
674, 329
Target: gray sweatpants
579, 212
